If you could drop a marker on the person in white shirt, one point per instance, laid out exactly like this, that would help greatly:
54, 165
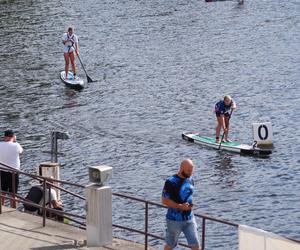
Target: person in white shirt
53, 203
70, 41
10, 151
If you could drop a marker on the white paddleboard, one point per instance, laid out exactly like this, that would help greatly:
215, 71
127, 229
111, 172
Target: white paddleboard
236, 147
76, 83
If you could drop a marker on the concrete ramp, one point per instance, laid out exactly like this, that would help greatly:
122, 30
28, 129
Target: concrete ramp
24, 231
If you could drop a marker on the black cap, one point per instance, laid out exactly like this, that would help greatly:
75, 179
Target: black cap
9, 133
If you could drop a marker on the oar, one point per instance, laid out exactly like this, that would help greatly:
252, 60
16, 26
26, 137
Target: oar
224, 131
87, 77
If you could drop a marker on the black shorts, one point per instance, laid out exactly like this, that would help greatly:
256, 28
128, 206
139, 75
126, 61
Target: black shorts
6, 182
225, 114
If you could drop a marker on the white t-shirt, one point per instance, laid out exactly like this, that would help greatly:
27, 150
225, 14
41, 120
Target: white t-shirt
53, 196
10, 154
72, 42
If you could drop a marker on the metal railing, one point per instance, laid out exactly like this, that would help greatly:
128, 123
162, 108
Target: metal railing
46, 184
147, 204
146, 232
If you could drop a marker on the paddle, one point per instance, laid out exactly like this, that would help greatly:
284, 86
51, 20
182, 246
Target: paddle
224, 131
87, 77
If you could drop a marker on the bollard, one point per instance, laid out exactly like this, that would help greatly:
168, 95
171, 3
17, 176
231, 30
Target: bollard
98, 207
50, 169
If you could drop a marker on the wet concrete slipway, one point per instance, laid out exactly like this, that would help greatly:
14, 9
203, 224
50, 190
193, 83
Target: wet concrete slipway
161, 66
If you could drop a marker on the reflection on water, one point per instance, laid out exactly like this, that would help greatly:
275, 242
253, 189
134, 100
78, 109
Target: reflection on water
224, 169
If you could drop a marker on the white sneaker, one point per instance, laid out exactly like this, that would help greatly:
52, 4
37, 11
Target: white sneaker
227, 140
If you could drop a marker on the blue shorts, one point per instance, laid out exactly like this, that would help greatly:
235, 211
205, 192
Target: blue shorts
188, 227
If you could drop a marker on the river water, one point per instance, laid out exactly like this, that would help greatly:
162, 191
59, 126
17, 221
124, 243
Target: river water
160, 66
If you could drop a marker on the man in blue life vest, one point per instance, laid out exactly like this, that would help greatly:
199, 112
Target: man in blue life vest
177, 195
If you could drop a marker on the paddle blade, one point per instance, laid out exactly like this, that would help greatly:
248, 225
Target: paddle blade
89, 79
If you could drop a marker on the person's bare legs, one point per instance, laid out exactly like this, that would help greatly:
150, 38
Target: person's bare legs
227, 128
72, 57
219, 126
13, 204
3, 199
66, 56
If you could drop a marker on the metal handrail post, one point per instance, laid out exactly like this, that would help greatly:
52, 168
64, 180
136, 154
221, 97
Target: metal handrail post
13, 181
49, 201
203, 234
0, 193
44, 203
146, 225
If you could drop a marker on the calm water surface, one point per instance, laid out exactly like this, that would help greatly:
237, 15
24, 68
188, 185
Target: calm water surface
161, 66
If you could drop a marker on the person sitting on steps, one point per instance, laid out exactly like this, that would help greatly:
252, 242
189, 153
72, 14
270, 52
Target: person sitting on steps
35, 195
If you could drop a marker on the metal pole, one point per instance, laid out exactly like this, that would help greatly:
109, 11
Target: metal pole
146, 225
49, 201
44, 202
0, 193
203, 234
54, 146
13, 202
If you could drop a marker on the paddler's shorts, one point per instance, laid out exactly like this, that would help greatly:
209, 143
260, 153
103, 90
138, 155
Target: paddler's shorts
68, 49
218, 114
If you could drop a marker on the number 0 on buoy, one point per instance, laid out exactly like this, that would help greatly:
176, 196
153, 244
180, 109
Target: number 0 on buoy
262, 134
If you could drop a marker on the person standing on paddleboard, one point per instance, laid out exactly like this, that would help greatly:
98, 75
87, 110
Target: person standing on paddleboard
223, 110
70, 41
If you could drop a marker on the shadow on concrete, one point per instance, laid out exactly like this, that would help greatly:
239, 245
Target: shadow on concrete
25, 236
70, 246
